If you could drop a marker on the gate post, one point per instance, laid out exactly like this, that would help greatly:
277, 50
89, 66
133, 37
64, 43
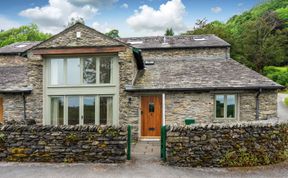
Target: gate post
163, 142
129, 140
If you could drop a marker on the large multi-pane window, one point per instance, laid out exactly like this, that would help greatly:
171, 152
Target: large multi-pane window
78, 110
81, 70
81, 90
225, 106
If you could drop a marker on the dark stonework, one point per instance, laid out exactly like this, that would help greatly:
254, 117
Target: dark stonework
103, 144
228, 145
88, 38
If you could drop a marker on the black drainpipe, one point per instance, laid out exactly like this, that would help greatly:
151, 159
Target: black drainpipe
257, 103
24, 104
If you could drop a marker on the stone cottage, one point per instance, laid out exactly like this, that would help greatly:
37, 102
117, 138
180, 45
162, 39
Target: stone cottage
81, 76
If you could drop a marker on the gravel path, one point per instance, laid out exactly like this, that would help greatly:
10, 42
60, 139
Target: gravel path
141, 168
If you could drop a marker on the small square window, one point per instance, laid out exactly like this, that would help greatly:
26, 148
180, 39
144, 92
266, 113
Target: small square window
151, 107
225, 106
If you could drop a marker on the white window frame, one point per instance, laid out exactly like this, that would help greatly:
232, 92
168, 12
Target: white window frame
225, 107
111, 89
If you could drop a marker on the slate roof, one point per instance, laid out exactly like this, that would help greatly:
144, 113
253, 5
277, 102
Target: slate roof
19, 47
199, 74
186, 41
13, 79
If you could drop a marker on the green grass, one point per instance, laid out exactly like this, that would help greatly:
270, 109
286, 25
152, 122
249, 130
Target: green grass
282, 69
284, 91
277, 74
286, 101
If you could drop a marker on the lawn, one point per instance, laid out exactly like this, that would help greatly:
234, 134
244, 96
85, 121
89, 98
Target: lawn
282, 69
277, 74
286, 101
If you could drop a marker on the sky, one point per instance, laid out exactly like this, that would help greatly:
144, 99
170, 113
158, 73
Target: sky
130, 17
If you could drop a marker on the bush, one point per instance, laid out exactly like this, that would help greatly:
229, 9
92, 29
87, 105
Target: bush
277, 74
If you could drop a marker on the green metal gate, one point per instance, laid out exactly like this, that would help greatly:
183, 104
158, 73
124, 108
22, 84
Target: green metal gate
129, 140
163, 143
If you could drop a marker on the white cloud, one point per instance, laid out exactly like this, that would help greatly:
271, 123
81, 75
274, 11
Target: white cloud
103, 28
125, 5
95, 3
152, 21
216, 9
240, 4
6, 24
53, 17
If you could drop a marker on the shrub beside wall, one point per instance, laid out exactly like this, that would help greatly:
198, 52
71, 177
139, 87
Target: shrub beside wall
227, 145
63, 143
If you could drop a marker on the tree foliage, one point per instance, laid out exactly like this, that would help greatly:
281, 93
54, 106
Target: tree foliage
113, 33
278, 74
23, 33
258, 37
169, 32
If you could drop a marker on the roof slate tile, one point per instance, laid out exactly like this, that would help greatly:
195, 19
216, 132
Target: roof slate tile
199, 74
183, 41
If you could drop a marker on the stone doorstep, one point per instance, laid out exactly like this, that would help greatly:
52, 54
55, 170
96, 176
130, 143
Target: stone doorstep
146, 148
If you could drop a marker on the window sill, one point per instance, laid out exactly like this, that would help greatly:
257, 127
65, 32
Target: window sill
215, 120
81, 86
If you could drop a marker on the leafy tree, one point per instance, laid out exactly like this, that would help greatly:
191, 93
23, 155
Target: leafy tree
24, 33
113, 33
169, 32
258, 37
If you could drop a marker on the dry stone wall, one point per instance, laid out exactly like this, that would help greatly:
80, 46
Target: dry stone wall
103, 144
227, 145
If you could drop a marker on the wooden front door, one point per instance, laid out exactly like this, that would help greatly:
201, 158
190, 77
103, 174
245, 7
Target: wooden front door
151, 116
1, 110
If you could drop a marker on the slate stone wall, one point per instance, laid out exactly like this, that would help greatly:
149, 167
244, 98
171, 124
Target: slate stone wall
129, 103
267, 105
88, 38
200, 106
184, 53
13, 103
13, 107
232, 145
63, 143
12, 60
181, 105
34, 101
